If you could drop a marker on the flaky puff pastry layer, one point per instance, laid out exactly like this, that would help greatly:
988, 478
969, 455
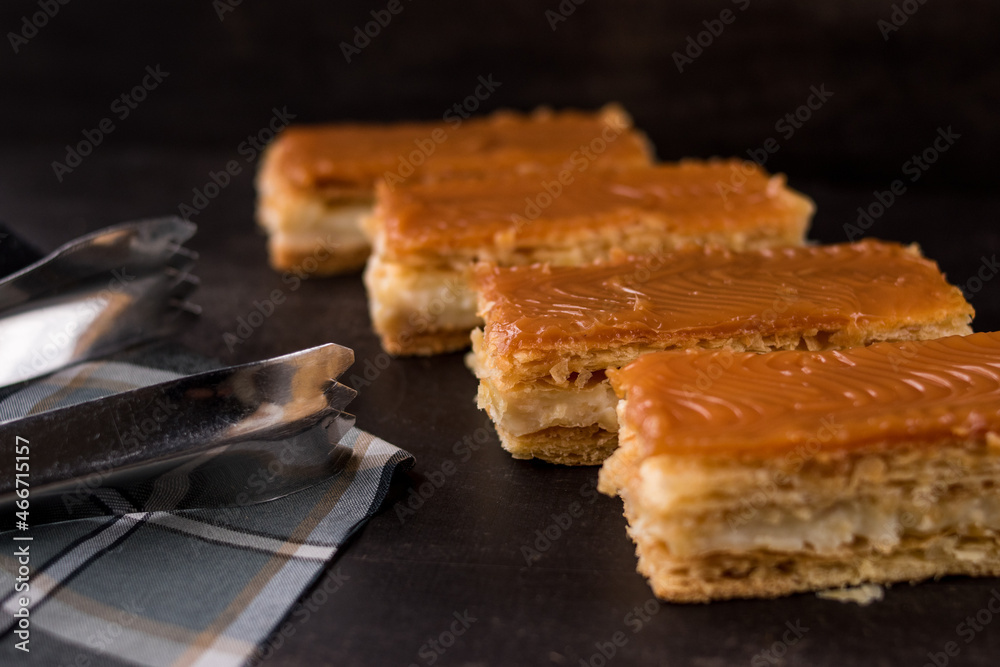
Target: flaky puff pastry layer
580, 214
556, 323
764, 475
318, 181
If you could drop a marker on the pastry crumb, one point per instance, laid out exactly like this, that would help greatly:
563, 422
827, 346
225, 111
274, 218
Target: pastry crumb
863, 595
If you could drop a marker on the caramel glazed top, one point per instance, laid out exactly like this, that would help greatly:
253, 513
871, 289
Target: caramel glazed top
692, 199
921, 392
713, 293
355, 154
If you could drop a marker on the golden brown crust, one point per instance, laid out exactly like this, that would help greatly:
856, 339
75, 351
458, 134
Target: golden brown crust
511, 218
557, 321
351, 157
843, 507
419, 312
553, 327
500, 398
772, 575
425, 343
312, 227
621, 466
446, 255
285, 255
903, 538
709, 404
570, 446
319, 180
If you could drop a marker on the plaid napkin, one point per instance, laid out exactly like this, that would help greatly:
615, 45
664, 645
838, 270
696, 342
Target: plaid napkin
196, 587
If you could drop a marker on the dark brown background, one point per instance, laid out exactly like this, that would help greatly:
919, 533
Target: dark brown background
940, 68
462, 549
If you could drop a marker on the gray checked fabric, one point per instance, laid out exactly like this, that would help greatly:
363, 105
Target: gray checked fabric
198, 587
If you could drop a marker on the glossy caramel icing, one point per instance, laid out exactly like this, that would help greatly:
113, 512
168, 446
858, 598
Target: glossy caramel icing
354, 154
712, 402
691, 199
711, 294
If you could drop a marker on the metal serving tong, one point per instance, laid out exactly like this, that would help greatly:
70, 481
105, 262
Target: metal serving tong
92, 296
230, 437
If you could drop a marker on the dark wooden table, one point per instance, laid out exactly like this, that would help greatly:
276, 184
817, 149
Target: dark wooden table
442, 575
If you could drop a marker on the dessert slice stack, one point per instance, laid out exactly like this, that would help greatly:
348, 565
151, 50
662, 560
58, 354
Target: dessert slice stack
552, 334
797, 470
317, 182
427, 236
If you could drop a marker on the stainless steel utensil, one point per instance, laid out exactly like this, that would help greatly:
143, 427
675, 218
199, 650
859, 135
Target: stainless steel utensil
234, 436
94, 296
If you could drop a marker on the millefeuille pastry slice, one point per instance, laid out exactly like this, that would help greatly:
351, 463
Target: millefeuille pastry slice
428, 235
552, 333
317, 182
760, 475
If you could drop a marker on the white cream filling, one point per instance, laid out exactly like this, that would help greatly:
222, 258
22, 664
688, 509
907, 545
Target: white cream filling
402, 298
536, 407
883, 522
301, 219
